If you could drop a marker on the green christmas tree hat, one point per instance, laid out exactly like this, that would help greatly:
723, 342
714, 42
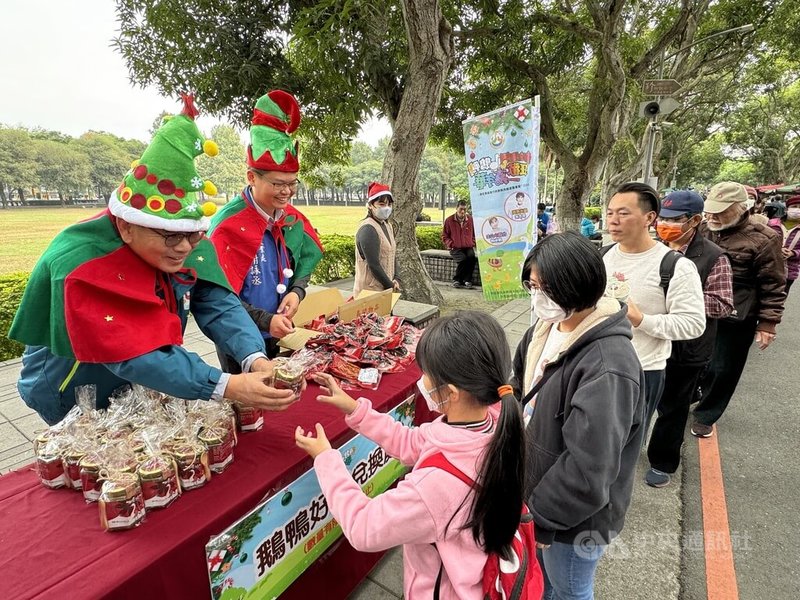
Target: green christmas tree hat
275, 116
160, 190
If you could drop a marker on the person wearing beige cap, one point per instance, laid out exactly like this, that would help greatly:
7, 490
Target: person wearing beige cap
759, 279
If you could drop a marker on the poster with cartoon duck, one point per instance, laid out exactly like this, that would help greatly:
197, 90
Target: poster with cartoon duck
502, 155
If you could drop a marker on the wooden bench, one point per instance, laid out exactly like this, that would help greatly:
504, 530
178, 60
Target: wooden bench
441, 266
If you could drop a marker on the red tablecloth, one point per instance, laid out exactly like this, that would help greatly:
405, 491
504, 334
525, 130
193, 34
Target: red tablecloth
52, 545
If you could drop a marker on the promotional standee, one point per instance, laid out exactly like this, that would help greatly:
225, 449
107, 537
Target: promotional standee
502, 155
263, 553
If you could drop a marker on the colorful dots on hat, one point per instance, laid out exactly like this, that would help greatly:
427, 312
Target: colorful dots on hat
155, 203
166, 187
172, 206
151, 178
140, 172
138, 201
126, 194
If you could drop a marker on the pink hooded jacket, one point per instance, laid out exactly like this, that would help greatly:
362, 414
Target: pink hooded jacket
416, 512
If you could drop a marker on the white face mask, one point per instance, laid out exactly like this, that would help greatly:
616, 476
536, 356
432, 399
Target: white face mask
546, 309
793, 213
383, 212
432, 404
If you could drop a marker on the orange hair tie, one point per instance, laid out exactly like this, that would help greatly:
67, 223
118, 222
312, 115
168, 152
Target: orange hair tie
505, 389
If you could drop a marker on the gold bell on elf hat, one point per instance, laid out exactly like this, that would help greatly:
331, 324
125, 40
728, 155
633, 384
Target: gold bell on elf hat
160, 190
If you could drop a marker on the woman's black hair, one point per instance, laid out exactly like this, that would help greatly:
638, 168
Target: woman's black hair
570, 270
470, 351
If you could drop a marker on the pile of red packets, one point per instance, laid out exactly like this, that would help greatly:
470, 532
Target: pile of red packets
360, 351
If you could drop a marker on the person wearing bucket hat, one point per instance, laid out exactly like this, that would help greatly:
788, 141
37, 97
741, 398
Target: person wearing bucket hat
376, 250
659, 311
759, 282
267, 248
108, 301
680, 215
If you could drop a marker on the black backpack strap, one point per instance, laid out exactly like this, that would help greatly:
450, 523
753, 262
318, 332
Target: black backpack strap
604, 249
535, 389
667, 269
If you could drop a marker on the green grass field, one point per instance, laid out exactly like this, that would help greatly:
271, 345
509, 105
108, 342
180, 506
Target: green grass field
26, 232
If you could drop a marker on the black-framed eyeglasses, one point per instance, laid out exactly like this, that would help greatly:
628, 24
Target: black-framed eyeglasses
281, 185
172, 239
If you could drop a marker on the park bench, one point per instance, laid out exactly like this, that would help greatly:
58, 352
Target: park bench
441, 266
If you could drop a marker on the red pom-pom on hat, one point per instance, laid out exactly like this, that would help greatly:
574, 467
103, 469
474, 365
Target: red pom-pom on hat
189, 109
376, 190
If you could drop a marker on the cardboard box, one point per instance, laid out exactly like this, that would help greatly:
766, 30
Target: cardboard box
329, 302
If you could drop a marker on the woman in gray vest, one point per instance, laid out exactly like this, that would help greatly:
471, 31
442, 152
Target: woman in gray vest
376, 251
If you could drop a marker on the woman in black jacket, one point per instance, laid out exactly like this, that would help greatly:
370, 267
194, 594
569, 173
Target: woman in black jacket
583, 395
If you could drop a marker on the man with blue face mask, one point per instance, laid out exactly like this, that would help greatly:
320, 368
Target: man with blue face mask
376, 251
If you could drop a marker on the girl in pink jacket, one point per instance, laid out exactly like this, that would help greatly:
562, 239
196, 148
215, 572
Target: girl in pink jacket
464, 359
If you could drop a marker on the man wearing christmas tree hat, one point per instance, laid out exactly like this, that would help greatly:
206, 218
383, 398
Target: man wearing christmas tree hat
266, 247
108, 300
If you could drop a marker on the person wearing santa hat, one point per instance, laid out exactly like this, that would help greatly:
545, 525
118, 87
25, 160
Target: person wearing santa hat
376, 251
267, 248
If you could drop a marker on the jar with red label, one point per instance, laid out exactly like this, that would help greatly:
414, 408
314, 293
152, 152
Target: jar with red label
248, 418
192, 463
159, 478
72, 468
219, 441
50, 468
121, 502
90, 477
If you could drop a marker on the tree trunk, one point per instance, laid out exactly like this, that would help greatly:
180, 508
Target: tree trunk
430, 49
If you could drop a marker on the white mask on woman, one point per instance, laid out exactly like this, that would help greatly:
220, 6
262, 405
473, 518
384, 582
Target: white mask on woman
383, 213
793, 213
546, 309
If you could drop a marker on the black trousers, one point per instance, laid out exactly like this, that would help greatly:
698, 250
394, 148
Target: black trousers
680, 390
719, 382
465, 260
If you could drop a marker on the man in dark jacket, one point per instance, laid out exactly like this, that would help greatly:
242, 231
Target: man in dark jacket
759, 281
680, 215
458, 235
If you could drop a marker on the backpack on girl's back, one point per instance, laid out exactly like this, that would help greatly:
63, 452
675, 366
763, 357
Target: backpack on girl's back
458, 512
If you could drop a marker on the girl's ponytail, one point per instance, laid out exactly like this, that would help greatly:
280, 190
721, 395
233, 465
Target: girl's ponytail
497, 506
470, 351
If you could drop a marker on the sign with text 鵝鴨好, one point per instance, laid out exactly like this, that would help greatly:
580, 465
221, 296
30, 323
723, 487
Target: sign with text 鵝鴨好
260, 555
502, 155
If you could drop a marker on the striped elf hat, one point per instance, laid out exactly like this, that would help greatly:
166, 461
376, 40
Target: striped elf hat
160, 190
275, 116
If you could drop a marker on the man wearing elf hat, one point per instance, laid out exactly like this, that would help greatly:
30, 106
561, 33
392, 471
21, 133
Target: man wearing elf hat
376, 251
108, 301
267, 248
